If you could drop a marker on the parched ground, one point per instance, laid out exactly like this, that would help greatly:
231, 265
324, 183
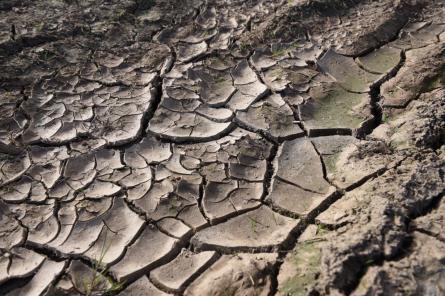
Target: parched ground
222, 147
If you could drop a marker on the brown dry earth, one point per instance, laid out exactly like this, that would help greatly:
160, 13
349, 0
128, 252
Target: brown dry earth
222, 147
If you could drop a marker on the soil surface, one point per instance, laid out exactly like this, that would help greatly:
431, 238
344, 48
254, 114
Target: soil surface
222, 147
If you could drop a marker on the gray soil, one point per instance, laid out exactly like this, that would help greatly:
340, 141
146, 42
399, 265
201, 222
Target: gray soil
222, 147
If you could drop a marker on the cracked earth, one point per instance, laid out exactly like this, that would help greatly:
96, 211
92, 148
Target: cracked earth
222, 147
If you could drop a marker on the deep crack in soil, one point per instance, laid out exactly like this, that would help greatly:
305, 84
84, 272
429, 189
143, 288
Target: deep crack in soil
206, 147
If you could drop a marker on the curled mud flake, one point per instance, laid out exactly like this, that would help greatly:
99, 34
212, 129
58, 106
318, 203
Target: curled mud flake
299, 163
174, 196
243, 74
88, 209
271, 116
201, 35
174, 165
220, 63
62, 191
107, 161
136, 177
307, 53
139, 259
193, 217
11, 232
138, 191
246, 95
82, 279
116, 175
380, 61
279, 78
112, 230
66, 217
255, 89
186, 126
100, 189
276, 78
216, 114
216, 86
157, 192
121, 226
82, 236
247, 168
260, 229
18, 263
142, 287
241, 274
174, 227
224, 200
330, 148
43, 155
39, 220
207, 18
47, 174
331, 108
240, 101
175, 275
17, 191
296, 200
79, 171
12, 167
123, 130
45, 276
188, 52
346, 72
38, 193
299, 185
261, 59
148, 151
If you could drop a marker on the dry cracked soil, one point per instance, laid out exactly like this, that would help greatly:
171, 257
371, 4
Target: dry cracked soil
222, 147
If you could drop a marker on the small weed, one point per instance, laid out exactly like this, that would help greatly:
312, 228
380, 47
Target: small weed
119, 14
45, 55
226, 291
8, 190
283, 50
244, 47
13, 139
220, 79
173, 208
322, 229
40, 26
207, 33
94, 285
254, 224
